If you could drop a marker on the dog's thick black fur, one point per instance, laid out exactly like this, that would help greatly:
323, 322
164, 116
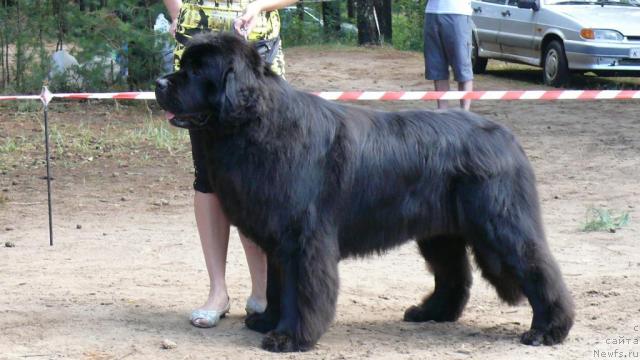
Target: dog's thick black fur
312, 182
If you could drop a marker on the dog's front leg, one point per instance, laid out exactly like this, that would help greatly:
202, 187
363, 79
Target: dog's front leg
284, 338
268, 320
308, 296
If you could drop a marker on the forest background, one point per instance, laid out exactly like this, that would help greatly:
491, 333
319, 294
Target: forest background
116, 47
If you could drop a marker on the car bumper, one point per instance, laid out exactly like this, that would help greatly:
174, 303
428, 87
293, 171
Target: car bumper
602, 56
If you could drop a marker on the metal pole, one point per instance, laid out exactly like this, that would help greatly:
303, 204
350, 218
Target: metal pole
46, 97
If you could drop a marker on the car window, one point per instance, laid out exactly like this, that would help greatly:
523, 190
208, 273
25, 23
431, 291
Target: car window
501, 2
512, 2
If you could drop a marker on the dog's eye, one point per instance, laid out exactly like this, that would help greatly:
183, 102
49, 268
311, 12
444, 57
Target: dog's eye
197, 72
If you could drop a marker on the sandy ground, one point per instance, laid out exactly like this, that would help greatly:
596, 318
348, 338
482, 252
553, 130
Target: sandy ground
127, 269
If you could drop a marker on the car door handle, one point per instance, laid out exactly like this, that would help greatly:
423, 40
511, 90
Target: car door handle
506, 13
477, 10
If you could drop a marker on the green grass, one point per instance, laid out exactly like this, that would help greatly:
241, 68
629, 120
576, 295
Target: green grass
68, 144
80, 142
12, 150
30, 106
160, 135
3, 198
123, 135
9, 146
599, 219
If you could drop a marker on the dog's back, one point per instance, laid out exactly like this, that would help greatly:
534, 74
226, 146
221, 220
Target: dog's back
400, 172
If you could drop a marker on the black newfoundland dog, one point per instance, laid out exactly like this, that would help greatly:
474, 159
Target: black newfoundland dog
312, 182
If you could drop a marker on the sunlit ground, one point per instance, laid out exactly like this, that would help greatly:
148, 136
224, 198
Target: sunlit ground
533, 75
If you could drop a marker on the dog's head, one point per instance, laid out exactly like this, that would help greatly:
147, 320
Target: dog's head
219, 84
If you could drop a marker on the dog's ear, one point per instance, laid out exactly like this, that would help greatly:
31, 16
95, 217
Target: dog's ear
245, 95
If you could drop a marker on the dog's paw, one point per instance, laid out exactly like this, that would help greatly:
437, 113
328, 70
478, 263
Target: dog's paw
535, 337
261, 322
276, 341
532, 337
421, 313
413, 314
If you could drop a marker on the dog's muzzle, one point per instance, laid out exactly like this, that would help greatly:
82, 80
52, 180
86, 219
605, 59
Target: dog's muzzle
184, 121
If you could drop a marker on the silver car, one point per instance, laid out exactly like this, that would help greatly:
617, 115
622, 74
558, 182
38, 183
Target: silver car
561, 36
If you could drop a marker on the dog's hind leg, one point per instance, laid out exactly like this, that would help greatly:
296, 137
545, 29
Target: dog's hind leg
447, 259
528, 268
309, 292
512, 252
553, 310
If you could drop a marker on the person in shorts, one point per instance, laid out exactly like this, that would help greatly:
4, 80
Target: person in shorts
447, 43
257, 20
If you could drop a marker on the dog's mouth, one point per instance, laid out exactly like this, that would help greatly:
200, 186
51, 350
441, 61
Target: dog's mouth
188, 121
169, 115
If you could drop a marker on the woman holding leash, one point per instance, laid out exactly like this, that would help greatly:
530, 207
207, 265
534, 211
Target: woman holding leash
257, 20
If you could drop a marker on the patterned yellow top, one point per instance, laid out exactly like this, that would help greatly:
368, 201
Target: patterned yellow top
198, 15
219, 16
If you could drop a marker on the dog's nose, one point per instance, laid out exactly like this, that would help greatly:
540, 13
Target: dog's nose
162, 83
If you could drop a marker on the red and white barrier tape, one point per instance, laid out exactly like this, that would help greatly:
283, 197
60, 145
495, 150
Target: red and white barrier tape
20, 97
483, 95
387, 95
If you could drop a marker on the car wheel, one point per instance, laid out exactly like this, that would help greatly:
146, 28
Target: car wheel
555, 70
479, 63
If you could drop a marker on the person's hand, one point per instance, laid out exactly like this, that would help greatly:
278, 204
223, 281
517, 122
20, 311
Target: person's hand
245, 23
172, 28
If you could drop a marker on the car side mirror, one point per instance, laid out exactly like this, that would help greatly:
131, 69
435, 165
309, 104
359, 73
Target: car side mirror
528, 4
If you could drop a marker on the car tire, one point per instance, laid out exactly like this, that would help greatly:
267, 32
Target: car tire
555, 69
478, 63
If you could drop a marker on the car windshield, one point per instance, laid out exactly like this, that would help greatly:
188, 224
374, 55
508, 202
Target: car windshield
594, 2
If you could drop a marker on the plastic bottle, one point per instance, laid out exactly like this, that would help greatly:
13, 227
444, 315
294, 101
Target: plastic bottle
162, 24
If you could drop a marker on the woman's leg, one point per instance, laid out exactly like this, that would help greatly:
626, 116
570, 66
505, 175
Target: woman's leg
213, 228
257, 261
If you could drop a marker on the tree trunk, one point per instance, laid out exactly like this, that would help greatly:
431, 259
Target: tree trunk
300, 11
331, 19
5, 65
60, 23
3, 29
368, 18
351, 13
384, 18
19, 49
2, 71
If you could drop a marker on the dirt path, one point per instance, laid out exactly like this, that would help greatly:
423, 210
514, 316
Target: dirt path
127, 269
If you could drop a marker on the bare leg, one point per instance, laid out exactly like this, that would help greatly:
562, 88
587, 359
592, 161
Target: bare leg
442, 85
257, 261
465, 86
213, 228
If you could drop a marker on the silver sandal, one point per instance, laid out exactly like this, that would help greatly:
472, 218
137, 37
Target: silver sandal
208, 318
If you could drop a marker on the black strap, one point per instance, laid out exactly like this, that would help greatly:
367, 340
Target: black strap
268, 49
